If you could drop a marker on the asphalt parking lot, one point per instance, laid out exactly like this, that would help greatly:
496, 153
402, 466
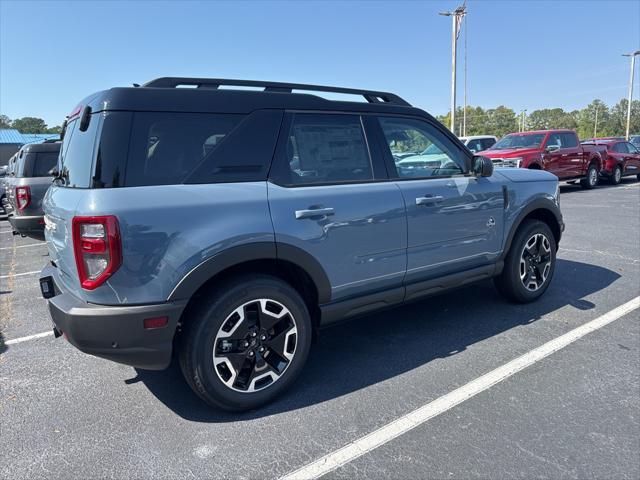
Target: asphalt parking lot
573, 414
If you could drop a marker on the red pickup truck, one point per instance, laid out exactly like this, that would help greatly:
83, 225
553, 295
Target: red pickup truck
556, 151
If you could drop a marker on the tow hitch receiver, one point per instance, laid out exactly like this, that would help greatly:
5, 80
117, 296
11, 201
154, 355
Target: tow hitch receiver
47, 288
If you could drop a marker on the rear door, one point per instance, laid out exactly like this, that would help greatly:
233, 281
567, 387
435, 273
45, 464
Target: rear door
572, 157
330, 197
455, 221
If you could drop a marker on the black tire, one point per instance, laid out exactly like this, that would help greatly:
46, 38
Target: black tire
205, 323
591, 180
509, 283
616, 176
638, 177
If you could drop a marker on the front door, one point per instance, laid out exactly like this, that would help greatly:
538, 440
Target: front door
455, 221
331, 198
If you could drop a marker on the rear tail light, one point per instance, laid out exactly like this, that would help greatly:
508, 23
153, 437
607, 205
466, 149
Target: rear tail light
97, 248
23, 197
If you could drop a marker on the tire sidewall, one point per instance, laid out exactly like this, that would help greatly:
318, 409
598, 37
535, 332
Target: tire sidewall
207, 383
615, 180
521, 293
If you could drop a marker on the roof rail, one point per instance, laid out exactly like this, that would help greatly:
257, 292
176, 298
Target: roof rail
370, 96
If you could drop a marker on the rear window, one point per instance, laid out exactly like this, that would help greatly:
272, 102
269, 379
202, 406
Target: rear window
43, 163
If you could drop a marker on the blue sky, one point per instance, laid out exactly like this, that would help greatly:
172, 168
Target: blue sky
523, 54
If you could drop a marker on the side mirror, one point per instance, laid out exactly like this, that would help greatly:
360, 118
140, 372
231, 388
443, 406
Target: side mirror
482, 166
552, 148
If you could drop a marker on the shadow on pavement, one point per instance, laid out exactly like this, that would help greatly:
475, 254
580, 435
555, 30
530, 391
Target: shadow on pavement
371, 349
603, 184
3, 347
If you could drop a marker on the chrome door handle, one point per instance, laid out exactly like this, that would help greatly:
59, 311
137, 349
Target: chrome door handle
428, 200
314, 212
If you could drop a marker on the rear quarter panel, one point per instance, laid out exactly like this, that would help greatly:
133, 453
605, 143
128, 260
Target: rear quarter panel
168, 230
38, 187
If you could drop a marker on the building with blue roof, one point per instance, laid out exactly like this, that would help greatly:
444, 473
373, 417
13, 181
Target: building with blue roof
11, 140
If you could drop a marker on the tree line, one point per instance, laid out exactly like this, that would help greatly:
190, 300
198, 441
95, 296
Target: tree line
28, 125
596, 119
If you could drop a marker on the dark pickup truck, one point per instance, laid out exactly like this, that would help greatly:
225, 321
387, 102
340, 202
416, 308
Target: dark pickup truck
556, 151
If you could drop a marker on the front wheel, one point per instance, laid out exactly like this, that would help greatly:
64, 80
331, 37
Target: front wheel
591, 180
616, 177
530, 263
245, 343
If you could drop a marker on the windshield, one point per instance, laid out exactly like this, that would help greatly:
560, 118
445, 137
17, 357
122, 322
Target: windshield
432, 150
516, 140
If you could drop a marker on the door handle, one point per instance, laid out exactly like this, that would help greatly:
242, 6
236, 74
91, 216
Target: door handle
313, 212
428, 199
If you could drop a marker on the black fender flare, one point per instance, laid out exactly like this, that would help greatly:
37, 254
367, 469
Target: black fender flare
537, 204
236, 255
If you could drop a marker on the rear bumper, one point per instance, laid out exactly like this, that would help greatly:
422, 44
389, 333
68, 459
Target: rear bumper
114, 332
31, 226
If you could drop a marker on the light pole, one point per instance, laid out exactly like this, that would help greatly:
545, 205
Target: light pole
456, 18
633, 64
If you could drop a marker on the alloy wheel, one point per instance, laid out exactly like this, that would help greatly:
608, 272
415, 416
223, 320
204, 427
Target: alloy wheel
593, 177
535, 262
255, 345
617, 173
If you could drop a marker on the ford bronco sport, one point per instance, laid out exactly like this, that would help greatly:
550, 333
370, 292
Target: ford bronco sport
228, 226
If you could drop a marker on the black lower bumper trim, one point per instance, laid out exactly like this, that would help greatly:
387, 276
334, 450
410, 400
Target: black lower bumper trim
32, 227
115, 332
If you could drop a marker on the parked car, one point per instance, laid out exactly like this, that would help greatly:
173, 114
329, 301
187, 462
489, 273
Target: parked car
556, 151
479, 143
635, 140
622, 159
5, 180
227, 226
29, 181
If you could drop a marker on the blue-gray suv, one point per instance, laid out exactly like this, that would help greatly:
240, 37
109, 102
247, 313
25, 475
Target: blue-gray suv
228, 222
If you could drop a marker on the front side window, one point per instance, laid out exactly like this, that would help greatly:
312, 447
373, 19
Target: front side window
418, 149
326, 148
475, 145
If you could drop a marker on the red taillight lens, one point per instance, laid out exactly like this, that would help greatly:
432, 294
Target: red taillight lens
97, 248
23, 197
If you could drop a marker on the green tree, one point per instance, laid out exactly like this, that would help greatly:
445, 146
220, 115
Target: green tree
500, 121
618, 118
56, 129
587, 120
5, 122
550, 118
29, 125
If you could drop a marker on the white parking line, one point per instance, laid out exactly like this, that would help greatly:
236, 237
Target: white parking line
402, 425
22, 246
27, 338
19, 274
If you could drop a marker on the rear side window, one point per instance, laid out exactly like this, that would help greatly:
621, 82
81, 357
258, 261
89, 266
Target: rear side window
323, 149
43, 163
569, 140
77, 153
165, 148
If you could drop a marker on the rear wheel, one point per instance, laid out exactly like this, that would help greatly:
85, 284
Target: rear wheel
591, 180
530, 263
616, 177
246, 343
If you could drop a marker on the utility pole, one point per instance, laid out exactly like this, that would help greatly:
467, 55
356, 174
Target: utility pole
523, 116
595, 124
630, 98
464, 109
456, 18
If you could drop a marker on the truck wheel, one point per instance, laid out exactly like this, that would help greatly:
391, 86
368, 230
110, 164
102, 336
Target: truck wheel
246, 342
591, 180
616, 177
530, 263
